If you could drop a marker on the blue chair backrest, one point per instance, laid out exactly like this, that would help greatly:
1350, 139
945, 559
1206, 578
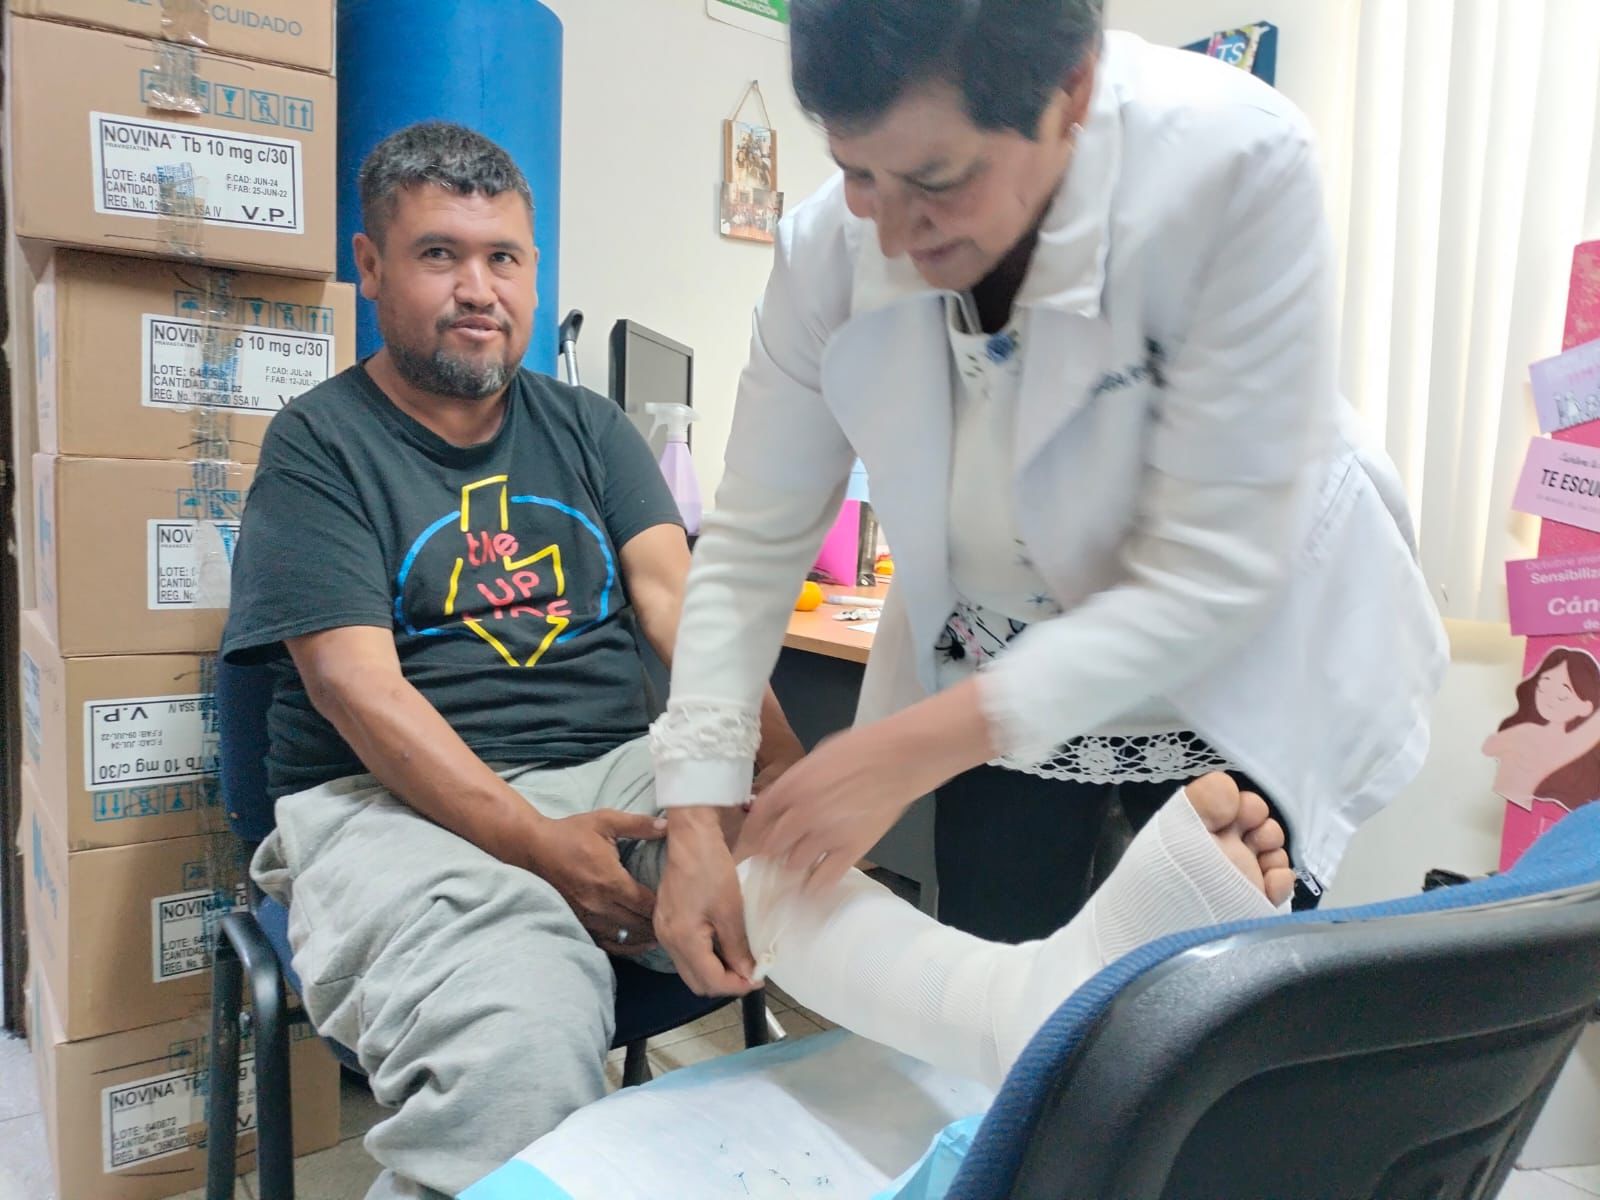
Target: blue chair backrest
244, 694
1138, 1085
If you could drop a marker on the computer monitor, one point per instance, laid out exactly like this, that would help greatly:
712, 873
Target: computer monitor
649, 368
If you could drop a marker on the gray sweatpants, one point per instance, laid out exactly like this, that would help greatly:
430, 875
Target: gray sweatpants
478, 1005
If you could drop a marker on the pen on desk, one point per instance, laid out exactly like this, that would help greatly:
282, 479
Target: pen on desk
855, 601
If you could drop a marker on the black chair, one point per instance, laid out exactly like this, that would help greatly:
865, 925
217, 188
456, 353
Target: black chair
648, 1003
1397, 1051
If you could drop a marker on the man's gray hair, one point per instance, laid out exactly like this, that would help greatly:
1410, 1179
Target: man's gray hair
437, 152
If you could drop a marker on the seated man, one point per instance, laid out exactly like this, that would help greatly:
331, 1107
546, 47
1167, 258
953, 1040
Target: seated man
444, 554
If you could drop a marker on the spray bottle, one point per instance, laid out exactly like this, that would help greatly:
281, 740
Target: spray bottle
676, 464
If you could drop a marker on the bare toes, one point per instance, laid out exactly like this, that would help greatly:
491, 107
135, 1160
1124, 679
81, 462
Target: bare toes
1265, 837
1253, 811
1279, 884
1215, 798
1273, 860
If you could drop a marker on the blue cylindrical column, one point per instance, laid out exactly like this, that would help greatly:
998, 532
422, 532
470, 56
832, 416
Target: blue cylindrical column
489, 65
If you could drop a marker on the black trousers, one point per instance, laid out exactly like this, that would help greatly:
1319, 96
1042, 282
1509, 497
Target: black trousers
1017, 855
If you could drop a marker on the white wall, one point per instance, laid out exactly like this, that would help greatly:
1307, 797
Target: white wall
648, 85
1316, 60
1314, 41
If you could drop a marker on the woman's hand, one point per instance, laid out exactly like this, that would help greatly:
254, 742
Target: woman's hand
832, 806
699, 912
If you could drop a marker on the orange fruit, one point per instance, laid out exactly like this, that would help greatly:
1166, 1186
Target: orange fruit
884, 566
809, 599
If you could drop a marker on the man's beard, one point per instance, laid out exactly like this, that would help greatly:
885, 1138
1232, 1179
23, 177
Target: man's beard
442, 373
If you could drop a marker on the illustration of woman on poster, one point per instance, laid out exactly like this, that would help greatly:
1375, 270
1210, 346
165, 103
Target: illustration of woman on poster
1549, 749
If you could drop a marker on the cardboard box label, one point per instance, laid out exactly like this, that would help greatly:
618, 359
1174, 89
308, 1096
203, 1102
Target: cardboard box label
264, 368
175, 563
181, 928
157, 1117
149, 740
248, 180
135, 803
32, 712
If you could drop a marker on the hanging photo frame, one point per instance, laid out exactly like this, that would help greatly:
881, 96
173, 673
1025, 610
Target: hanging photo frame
750, 202
749, 215
750, 156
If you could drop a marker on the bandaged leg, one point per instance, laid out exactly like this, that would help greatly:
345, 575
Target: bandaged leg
862, 957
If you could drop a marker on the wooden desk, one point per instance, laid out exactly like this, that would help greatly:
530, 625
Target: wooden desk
819, 633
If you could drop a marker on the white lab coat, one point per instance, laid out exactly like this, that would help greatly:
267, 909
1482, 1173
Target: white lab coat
1184, 478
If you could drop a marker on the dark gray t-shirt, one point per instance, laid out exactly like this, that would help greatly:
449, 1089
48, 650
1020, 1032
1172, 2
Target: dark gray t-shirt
495, 566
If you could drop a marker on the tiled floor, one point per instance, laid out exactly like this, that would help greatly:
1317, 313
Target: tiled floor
1572, 1183
345, 1171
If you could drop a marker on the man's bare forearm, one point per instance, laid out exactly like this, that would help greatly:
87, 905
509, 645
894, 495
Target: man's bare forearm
412, 750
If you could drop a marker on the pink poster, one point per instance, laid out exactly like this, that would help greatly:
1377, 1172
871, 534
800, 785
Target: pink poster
1583, 297
1547, 763
1583, 325
1547, 751
1549, 596
1560, 481
1524, 826
1566, 388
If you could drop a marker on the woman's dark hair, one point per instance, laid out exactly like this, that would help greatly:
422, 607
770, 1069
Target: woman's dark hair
1574, 785
1582, 670
853, 59
1578, 782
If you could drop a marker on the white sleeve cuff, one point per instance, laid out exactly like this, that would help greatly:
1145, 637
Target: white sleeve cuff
704, 754
713, 782
1025, 730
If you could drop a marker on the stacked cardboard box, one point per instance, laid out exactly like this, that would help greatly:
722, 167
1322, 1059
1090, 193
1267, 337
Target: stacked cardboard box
147, 1089
180, 162
139, 147
125, 1112
293, 33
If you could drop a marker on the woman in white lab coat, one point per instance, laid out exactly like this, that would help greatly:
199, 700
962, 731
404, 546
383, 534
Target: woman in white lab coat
1071, 301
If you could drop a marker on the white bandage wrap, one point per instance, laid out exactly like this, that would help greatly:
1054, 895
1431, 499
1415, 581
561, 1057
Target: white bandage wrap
1174, 876
861, 956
